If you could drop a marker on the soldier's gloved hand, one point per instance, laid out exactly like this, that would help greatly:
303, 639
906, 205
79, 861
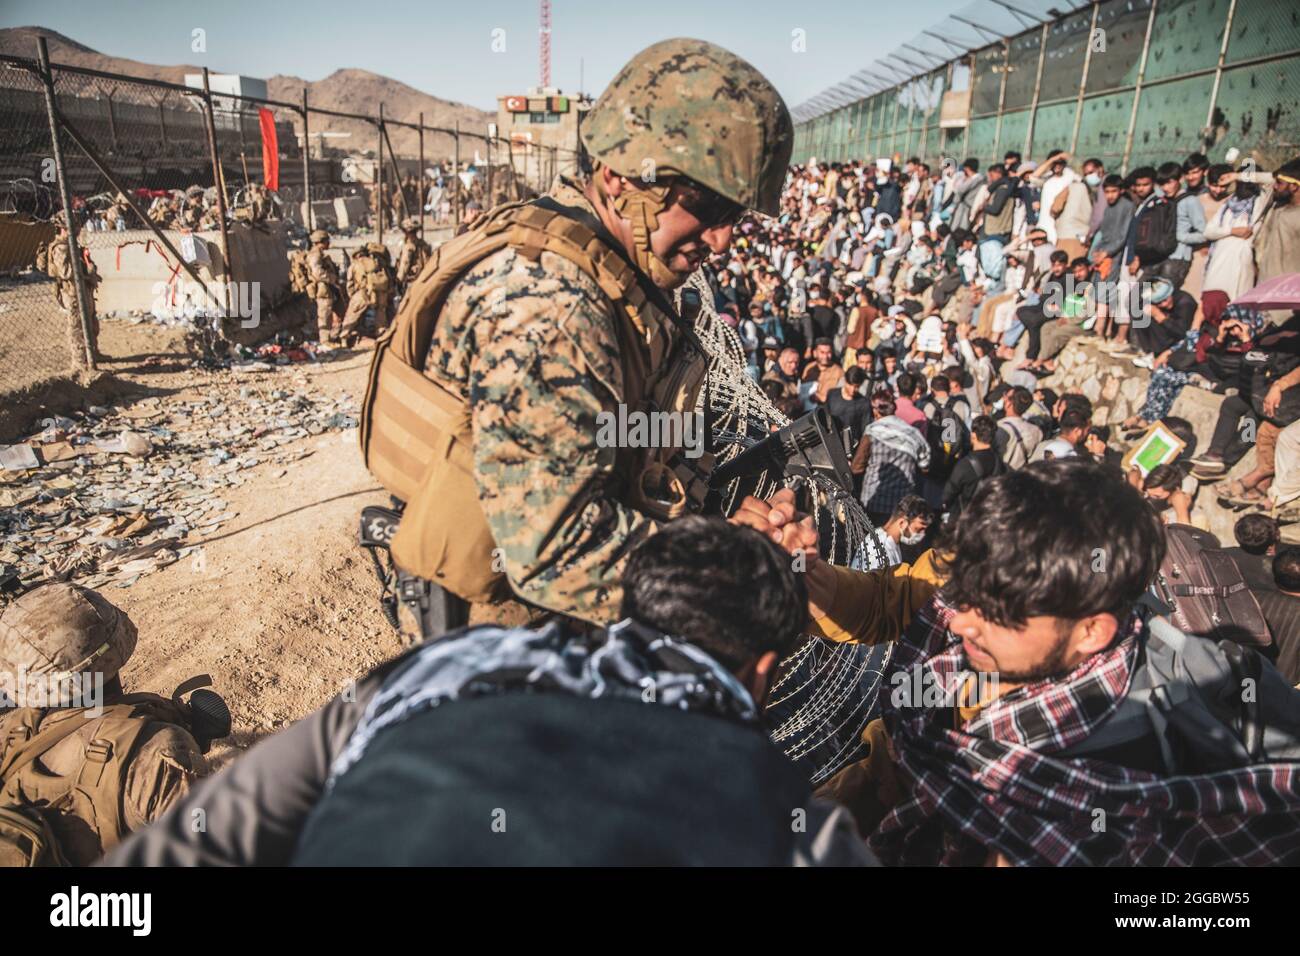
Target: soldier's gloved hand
781, 522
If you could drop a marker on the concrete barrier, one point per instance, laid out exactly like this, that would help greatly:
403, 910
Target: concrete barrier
351, 212
139, 274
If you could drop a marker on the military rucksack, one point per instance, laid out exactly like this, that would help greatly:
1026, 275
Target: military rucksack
27, 840
299, 274
416, 435
49, 816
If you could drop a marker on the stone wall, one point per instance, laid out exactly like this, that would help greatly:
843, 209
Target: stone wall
1117, 389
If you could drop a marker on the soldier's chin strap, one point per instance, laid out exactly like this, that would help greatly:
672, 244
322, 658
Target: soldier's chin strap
641, 207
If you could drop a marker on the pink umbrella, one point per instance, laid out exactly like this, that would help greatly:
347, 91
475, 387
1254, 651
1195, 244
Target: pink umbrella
1279, 292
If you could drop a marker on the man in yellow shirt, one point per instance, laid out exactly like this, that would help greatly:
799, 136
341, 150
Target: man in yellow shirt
1010, 649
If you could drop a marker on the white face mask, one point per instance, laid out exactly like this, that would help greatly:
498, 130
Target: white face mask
1092, 179
910, 539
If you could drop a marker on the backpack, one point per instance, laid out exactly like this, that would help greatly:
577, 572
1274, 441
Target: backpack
1156, 237
27, 840
45, 816
947, 436
1205, 589
299, 275
1210, 705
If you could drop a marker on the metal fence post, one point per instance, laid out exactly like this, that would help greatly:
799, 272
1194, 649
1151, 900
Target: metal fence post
1137, 89
1002, 97
1083, 79
456, 179
379, 177
220, 180
308, 216
1218, 69
1038, 83
419, 197
81, 334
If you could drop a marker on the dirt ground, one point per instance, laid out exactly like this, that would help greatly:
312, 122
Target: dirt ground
280, 605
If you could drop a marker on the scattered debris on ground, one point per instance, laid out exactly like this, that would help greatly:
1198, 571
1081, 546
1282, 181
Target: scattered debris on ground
115, 493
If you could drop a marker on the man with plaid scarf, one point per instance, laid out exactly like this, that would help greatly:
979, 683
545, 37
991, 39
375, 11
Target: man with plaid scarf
1012, 647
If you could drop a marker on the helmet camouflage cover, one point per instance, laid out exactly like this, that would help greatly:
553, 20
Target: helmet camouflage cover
692, 108
60, 630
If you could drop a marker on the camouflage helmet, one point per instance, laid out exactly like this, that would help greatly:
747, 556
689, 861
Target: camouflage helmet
692, 108
60, 630
319, 235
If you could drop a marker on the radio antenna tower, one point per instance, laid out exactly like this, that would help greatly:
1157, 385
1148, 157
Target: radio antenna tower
544, 37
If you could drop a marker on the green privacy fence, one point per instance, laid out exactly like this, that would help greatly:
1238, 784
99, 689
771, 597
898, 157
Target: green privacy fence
1133, 82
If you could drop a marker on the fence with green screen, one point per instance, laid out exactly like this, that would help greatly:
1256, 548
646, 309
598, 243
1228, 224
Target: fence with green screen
1185, 101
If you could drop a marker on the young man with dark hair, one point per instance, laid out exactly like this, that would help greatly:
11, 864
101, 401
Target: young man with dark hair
1010, 651
1051, 294
849, 408
907, 525
1257, 539
996, 225
1281, 607
1016, 438
1107, 241
910, 389
640, 744
1073, 427
982, 462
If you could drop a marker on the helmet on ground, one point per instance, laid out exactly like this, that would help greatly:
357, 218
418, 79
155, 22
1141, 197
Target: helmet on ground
59, 631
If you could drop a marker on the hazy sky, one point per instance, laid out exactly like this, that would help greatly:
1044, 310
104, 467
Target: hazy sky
445, 48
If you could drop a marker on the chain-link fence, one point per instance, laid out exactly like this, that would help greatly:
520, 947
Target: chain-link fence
178, 193
38, 306
1131, 82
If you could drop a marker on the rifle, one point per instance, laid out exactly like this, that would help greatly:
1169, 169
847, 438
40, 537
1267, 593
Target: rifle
808, 448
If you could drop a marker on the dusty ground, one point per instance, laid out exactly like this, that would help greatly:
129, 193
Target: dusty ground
280, 606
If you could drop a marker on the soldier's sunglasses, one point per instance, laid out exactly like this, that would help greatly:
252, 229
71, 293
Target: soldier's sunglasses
712, 210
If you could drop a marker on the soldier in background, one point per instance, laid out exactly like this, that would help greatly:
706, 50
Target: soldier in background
54, 260
415, 253
369, 287
469, 215
118, 216
81, 761
325, 286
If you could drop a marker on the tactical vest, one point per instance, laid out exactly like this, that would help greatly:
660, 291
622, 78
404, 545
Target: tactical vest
83, 811
416, 435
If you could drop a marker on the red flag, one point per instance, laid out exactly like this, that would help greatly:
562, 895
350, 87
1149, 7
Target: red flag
270, 150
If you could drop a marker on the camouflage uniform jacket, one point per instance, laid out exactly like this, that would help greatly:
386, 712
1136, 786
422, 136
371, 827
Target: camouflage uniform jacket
533, 348
324, 272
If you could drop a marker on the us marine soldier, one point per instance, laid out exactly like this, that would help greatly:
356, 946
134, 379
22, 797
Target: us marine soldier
325, 286
368, 288
84, 762
118, 214
415, 253
547, 314
54, 260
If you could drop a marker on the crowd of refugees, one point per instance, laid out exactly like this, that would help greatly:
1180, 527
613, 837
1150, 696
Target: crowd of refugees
923, 308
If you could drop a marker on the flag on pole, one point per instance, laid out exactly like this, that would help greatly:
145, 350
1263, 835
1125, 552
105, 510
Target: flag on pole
270, 150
